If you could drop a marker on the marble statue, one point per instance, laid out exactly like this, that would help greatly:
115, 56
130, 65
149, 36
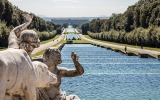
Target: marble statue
52, 57
19, 38
19, 76
27, 40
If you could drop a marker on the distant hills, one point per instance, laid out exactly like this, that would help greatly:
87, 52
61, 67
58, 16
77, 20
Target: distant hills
87, 18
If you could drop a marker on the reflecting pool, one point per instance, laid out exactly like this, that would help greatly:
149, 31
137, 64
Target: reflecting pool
110, 75
72, 36
70, 30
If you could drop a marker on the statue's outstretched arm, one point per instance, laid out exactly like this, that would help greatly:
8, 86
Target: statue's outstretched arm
72, 72
14, 34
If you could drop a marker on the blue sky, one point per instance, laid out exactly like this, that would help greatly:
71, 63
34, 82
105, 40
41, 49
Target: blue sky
74, 8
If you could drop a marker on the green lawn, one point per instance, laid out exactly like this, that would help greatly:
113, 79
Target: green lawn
61, 42
38, 53
43, 42
134, 46
80, 41
46, 41
41, 52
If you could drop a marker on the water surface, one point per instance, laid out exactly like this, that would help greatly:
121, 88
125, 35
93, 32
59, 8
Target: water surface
110, 75
72, 36
70, 30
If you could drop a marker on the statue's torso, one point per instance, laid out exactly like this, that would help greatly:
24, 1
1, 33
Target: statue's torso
54, 89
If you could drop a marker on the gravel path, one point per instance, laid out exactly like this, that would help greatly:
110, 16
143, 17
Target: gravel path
49, 44
141, 51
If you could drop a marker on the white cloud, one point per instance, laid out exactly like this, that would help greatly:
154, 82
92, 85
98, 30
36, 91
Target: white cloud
63, 8
14, 0
66, 1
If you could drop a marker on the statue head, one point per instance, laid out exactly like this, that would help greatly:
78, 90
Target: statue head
52, 56
28, 40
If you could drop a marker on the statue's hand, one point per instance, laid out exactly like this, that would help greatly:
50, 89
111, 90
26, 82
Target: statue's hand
28, 17
74, 56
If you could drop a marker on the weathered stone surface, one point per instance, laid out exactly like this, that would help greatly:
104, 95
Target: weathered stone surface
52, 57
19, 38
18, 76
34, 75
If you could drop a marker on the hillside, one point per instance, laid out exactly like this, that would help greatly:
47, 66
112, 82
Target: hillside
138, 25
11, 16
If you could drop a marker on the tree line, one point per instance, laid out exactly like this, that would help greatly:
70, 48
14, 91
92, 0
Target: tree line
139, 24
11, 16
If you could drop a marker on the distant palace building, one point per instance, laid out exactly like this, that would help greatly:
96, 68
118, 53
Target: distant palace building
69, 21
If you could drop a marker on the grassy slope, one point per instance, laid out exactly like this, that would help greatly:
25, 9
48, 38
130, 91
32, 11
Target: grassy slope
56, 37
43, 42
134, 46
41, 52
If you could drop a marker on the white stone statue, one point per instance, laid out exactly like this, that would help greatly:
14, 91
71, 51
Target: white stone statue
18, 74
19, 38
52, 57
28, 40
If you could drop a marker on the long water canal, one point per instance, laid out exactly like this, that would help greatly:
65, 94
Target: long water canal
110, 75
